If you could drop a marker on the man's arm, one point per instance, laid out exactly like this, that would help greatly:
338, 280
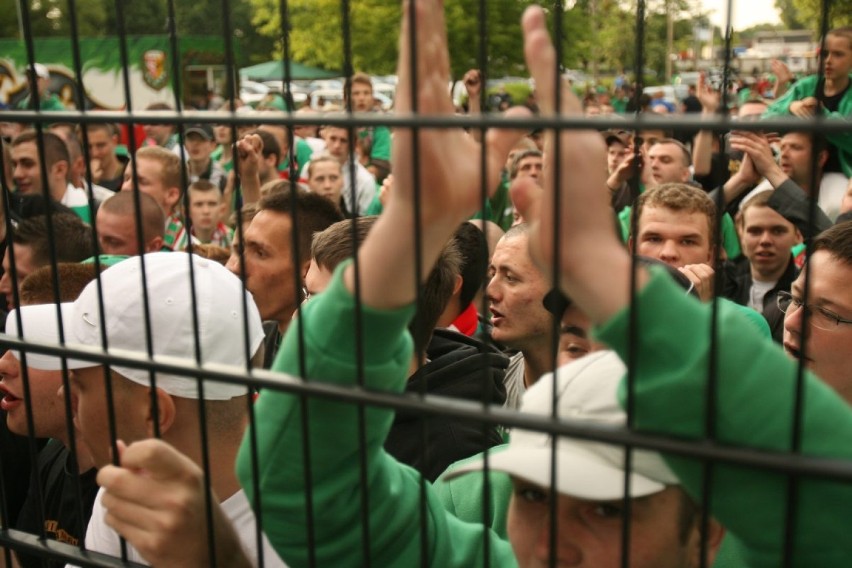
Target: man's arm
702, 151
756, 382
783, 78
755, 402
249, 154
389, 493
155, 500
792, 203
788, 199
592, 268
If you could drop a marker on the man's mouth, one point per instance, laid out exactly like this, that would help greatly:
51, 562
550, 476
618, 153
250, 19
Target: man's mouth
9, 401
794, 352
496, 317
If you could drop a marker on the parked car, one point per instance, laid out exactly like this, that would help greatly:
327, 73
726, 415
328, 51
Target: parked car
252, 92
324, 98
673, 94
326, 84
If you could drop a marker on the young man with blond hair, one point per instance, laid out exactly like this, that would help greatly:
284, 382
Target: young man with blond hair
158, 174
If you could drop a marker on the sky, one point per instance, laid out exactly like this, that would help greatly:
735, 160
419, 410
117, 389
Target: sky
746, 12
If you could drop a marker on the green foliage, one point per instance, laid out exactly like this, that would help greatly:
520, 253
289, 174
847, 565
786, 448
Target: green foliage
519, 92
597, 33
811, 11
316, 36
789, 15
316, 32
50, 18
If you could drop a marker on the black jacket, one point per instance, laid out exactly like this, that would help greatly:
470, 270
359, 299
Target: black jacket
738, 283
455, 369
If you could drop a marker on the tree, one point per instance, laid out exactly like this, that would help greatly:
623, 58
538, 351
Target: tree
811, 11
316, 33
789, 14
50, 18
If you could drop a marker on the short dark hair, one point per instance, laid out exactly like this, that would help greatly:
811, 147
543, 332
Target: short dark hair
204, 186
757, 200
123, 204
359, 77
324, 157
55, 149
434, 295
270, 144
684, 151
473, 249
72, 239
110, 128
159, 106
844, 32
37, 288
837, 241
314, 213
516, 160
334, 245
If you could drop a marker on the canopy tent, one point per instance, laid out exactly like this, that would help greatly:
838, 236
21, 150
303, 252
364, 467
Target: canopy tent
274, 71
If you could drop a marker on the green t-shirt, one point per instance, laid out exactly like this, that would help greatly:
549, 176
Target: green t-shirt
49, 102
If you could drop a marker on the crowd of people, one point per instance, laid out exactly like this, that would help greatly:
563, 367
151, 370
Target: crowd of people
231, 247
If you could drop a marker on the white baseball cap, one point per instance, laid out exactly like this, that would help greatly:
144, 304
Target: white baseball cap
586, 390
219, 297
41, 71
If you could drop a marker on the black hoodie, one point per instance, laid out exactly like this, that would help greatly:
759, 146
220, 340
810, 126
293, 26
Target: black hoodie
455, 369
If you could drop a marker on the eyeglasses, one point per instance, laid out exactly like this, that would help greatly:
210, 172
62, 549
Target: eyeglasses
819, 317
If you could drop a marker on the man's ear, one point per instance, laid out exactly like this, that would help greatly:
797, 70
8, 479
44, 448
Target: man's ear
305, 266
714, 536
173, 198
165, 415
630, 244
60, 168
155, 245
823, 158
458, 285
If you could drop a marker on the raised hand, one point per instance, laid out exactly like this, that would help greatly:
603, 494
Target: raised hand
709, 98
155, 500
249, 151
757, 148
804, 108
473, 83
448, 158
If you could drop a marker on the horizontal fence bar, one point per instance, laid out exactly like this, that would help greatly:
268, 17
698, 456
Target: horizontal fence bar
781, 462
686, 122
48, 548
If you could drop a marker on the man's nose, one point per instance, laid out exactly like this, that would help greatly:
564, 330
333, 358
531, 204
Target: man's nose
669, 252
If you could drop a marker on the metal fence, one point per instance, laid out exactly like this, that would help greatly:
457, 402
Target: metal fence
709, 452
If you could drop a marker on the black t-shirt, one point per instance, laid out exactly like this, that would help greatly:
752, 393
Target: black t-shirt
63, 520
832, 104
16, 463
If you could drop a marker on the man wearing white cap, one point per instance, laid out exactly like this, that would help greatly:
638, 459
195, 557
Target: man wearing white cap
218, 300
589, 480
40, 81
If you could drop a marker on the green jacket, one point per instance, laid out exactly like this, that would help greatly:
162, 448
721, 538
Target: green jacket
755, 402
393, 489
807, 88
48, 102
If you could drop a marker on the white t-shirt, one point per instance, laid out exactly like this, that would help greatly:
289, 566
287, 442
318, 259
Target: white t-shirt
757, 292
101, 538
365, 187
513, 380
